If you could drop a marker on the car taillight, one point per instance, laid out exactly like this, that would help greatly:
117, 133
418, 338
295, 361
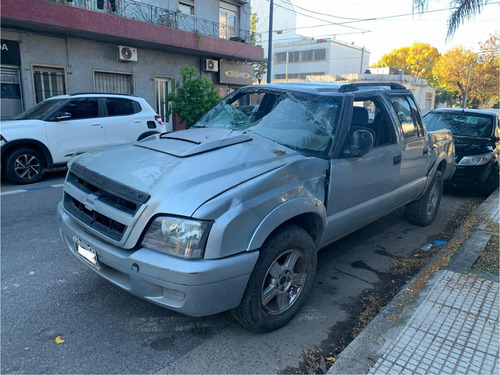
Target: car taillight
158, 119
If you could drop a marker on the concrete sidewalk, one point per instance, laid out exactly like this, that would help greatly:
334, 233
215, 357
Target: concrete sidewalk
445, 321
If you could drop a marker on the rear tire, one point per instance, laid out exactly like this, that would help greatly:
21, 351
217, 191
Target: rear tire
422, 211
24, 166
280, 282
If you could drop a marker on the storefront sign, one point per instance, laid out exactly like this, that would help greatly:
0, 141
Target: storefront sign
11, 54
233, 73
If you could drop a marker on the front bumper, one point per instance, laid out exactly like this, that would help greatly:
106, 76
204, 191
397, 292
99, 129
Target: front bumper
471, 175
191, 287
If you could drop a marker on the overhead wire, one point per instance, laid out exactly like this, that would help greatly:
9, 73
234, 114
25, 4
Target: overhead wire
376, 18
313, 17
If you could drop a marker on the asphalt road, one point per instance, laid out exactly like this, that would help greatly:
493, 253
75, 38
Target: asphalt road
58, 316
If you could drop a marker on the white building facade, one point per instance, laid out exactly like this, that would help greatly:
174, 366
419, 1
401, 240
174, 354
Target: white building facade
298, 59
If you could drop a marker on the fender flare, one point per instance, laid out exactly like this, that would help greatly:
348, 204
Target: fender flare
288, 211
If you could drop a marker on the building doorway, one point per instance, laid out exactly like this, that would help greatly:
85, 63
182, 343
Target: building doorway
163, 87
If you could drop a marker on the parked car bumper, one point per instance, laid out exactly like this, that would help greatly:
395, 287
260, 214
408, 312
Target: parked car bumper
191, 287
475, 175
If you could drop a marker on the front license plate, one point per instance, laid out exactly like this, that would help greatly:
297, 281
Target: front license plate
87, 253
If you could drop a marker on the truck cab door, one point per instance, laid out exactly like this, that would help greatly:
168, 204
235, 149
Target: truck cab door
415, 153
361, 189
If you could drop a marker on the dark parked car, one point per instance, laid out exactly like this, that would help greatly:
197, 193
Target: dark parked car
476, 134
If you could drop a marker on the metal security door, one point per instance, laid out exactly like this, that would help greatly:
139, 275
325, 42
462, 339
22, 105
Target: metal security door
11, 103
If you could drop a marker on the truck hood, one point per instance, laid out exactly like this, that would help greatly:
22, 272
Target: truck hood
183, 170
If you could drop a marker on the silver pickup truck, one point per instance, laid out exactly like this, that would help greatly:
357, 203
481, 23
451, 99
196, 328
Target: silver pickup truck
229, 215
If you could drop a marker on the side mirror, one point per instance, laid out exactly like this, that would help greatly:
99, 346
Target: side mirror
361, 143
61, 116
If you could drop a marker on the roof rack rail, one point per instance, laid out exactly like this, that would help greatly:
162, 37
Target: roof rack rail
100, 93
348, 87
392, 85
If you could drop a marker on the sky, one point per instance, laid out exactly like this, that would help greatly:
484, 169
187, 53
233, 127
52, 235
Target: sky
383, 35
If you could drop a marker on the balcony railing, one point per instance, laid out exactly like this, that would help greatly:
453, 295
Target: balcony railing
139, 11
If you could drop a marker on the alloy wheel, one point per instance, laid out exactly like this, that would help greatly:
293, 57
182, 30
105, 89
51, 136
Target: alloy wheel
27, 166
283, 282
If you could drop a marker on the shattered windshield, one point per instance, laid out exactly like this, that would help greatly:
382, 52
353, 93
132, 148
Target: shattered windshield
302, 122
461, 124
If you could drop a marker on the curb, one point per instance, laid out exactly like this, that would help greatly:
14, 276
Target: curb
364, 351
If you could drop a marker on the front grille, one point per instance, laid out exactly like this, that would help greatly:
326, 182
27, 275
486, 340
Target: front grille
94, 219
109, 193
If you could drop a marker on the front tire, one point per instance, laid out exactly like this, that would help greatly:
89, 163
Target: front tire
24, 166
422, 211
280, 282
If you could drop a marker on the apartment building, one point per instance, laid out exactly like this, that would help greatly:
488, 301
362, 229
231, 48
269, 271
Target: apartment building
298, 59
121, 46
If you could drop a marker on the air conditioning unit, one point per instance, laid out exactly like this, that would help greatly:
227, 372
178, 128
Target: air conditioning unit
127, 53
210, 65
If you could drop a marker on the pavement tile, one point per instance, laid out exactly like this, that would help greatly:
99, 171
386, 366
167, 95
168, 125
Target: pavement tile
452, 330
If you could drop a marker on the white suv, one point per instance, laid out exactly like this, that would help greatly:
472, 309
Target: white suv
57, 129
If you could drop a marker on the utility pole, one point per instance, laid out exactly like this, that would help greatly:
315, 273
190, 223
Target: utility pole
362, 55
464, 103
286, 67
270, 46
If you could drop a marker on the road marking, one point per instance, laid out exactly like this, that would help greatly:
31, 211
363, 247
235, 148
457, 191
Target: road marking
30, 189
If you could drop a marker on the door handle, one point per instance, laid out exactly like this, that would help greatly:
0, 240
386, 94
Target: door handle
396, 160
96, 124
137, 121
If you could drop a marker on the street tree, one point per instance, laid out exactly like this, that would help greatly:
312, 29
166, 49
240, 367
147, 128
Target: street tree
416, 60
259, 69
463, 10
194, 95
489, 68
473, 77
254, 19
454, 71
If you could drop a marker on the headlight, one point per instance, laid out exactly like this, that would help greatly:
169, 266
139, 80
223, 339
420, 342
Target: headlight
476, 159
181, 237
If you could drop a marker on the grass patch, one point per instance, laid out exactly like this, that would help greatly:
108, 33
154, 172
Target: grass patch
488, 260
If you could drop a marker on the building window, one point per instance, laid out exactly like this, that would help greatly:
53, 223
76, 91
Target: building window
228, 20
48, 82
281, 57
187, 7
300, 56
113, 82
297, 75
319, 54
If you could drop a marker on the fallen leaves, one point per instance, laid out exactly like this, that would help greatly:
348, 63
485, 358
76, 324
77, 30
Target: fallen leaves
59, 340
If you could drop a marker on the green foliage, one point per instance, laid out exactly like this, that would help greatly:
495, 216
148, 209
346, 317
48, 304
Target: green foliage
194, 95
471, 75
416, 60
254, 19
462, 10
450, 98
259, 69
